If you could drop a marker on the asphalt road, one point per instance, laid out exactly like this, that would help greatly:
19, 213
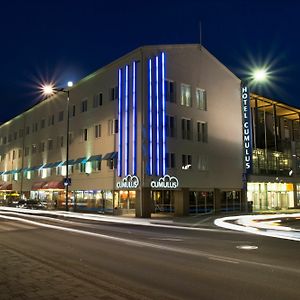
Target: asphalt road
121, 261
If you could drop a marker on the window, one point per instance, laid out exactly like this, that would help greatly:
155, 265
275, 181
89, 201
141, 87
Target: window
186, 129
96, 165
4, 140
27, 130
202, 163
14, 155
43, 123
84, 134
50, 144
84, 105
34, 127
170, 91
186, 96
61, 116
20, 153
82, 168
170, 126
97, 100
60, 141
112, 126
9, 138
33, 148
51, 120
170, 160
73, 110
111, 163
21, 133
15, 135
202, 132
42, 146
26, 151
186, 161
114, 93
97, 131
201, 99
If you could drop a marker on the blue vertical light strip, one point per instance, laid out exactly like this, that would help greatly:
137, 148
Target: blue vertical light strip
163, 96
126, 152
134, 123
157, 119
120, 123
150, 118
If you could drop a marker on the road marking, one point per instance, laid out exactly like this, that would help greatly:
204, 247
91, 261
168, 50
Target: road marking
155, 246
247, 247
167, 239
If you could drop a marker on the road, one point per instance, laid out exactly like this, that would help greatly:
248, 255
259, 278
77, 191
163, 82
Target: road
57, 258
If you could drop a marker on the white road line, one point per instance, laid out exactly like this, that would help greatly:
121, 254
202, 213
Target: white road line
154, 246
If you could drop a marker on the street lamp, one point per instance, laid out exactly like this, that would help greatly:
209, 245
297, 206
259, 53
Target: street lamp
48, 90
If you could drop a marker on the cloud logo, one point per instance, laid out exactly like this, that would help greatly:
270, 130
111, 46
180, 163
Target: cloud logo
128, 182
166, 182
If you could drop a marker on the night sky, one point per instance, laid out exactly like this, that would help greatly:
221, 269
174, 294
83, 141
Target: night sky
67, 40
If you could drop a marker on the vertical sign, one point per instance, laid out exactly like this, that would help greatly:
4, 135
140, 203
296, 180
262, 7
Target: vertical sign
247, 130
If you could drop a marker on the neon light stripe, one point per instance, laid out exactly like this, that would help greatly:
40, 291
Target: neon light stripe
150, 119
163, 95
157, 120
134, 118
126, 152
120, 124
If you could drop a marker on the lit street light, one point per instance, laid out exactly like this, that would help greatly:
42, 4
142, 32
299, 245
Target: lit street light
48, 90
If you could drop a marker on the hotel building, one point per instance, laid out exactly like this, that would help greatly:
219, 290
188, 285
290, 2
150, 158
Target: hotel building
158, 130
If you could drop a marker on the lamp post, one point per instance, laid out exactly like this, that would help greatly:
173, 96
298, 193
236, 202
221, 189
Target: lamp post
49, 90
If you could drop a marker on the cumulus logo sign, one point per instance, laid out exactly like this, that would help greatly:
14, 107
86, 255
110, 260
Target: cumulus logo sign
166, 182
129, 182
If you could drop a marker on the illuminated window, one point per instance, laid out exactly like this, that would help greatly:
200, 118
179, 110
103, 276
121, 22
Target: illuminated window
186, 96
97, 131
113, 126
201, 99
97, 101
186, 161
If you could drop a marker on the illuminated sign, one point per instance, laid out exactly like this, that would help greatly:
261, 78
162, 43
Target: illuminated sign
128, 182
247, 132
166, 182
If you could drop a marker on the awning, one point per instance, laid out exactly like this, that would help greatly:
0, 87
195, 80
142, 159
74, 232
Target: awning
38, 185
48, 165
54, 185
110, 155
1, 172
7, 172
54, 165
18, 170
70, 163
95, 158
6, 186
34, 168
80, 160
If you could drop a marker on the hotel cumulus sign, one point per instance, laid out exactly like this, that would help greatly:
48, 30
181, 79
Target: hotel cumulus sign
247, 132
128, 182
166, 182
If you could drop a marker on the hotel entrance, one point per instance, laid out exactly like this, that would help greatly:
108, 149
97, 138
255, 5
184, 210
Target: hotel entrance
266, 196
163, 201
125, 201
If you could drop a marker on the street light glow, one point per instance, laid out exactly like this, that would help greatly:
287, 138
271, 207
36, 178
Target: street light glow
47, 89
70, 83
260, 75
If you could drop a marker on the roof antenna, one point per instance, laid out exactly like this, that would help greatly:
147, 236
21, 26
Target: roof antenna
200, 34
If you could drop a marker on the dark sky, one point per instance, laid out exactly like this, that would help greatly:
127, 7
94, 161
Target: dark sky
67, 40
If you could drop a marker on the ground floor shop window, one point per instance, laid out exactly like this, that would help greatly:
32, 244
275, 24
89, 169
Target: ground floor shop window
231, 201
125, 200
201, 202
163, 201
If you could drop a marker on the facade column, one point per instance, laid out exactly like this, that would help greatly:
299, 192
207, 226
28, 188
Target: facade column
217, 200
143, 203
181, 202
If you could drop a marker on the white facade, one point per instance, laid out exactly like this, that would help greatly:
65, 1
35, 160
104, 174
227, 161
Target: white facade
203, 134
